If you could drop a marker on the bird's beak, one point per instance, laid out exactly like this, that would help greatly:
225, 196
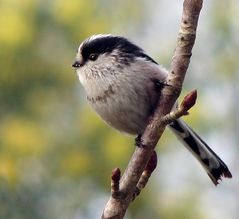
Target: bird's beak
77, 64
79, 61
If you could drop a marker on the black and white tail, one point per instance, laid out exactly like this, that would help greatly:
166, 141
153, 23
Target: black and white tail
210, 161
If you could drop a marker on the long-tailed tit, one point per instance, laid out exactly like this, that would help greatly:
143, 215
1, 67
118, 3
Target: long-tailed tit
123, 85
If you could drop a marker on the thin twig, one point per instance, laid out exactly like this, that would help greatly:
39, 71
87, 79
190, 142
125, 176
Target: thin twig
115, 180
151, 165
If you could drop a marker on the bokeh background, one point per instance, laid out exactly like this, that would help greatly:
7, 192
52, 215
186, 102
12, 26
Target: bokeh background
56, 155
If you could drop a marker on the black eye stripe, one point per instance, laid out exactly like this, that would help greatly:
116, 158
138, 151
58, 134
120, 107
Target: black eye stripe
99, 46
108, 43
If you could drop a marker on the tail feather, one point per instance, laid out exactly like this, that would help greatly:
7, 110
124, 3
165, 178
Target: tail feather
210, 161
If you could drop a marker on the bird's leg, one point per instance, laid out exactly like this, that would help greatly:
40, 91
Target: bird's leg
139, 143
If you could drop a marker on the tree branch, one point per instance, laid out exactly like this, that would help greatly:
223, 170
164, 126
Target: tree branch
124, 191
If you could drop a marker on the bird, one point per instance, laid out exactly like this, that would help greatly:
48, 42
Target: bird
123, 85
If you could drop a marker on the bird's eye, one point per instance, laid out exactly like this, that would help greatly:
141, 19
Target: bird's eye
93, 57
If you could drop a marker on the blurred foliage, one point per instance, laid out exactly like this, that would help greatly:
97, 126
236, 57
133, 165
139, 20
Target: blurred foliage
56, 155
47, 134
